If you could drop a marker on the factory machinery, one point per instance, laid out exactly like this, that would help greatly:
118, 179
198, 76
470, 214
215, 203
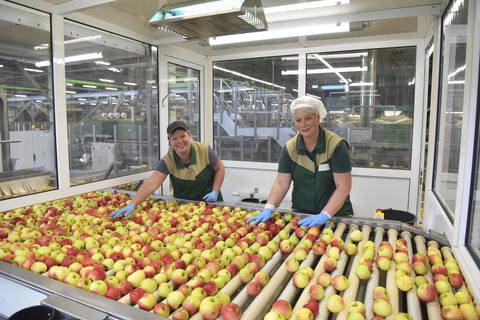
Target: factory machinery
206, 258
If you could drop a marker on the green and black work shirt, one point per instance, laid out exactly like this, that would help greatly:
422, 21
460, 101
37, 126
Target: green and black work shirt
194, 180
312, 173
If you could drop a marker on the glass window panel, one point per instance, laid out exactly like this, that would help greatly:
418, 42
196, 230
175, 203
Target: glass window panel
450, 110
112, 104
184, 97
27, 132
473, 230
369, 96
252, 119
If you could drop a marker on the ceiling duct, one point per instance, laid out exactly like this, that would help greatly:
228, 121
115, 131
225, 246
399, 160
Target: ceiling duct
210, 19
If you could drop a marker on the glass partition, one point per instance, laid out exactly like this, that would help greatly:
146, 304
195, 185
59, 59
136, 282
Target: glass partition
369, 96
112, 104
27, 132
184, 97
252, 120
450, 110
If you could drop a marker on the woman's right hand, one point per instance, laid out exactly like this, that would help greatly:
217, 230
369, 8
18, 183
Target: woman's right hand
128, 209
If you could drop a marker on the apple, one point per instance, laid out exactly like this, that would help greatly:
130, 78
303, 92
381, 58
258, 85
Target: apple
469, 312
113, 293
380, 293
324, 279
179, 277
210, 308
335, 303
199, 292
442, 286
300, 254
447, 299
385, 250
304, 314
245, 274
355, 316
427, 292
175, 299
317, 292
334, 252
211, 287
400, 256
98, 287
340, 282
147, 301
462, 297
180, 314
164, 289
136, 294
283, 307
300, 280
283, 234
405, 266
357, 306
383, 263
404, 283
161, 309
350, 249
231, 311
191, 304
363, 271
38, 267
136, 278
312, 305
253, 288
356, 235
274, 315
292, 264
456, 280
286, 246
382, 308
72, 278
149, 285
319, 247
402, 316
452, 312
125, 287
420, 267
330, 264
439, 269
262, 278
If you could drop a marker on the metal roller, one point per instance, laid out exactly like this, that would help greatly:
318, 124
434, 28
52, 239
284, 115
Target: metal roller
413, 303
391, 285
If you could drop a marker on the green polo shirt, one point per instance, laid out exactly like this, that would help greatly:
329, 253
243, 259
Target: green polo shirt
312, 173
195, 180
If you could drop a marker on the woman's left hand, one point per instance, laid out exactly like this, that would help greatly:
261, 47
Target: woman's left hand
316, 220
211, 196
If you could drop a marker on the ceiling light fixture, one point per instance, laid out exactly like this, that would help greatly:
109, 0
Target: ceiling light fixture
361, 84
325, 70
342, 78
304, 6
248, 77
1, 65
281, 33
103, 63
111, 89
33, 70
130, 83
80, 57
89, 86
106, 80
330, 56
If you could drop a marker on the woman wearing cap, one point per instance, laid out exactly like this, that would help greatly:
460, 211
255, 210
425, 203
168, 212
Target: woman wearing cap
195, 170
318, 162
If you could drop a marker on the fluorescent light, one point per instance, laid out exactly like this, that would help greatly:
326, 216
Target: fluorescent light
44, 46
20, 95
89, 86
456, 81
154, 87
248, 77
412, 82
70, 84
107, 80
281, 33
319, 57
1, 65
92, 104
80, 57
68, 91
361, 84
103, 63
196, 10
114, 69
325, 70
457, 71
304, 6
33, 70
130, 83
38, 100
82, 99
331, 56
333, 87
111, 89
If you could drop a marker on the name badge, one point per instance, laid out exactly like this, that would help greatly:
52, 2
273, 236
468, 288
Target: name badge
324, 167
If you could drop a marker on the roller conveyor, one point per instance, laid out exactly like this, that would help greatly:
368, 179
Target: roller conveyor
281, 285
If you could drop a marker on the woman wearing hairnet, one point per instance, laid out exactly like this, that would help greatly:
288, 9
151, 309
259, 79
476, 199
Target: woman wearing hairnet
318, 162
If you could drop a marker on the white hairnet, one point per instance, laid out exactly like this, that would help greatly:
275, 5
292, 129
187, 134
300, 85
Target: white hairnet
309, 104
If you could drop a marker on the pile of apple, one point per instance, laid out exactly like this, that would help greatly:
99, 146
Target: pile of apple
168, 258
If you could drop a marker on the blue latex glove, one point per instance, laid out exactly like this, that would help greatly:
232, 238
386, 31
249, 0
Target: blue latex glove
128, 209
211, 196
261, 217
316, 220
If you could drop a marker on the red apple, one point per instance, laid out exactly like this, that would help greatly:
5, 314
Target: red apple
427, 292
231, 311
